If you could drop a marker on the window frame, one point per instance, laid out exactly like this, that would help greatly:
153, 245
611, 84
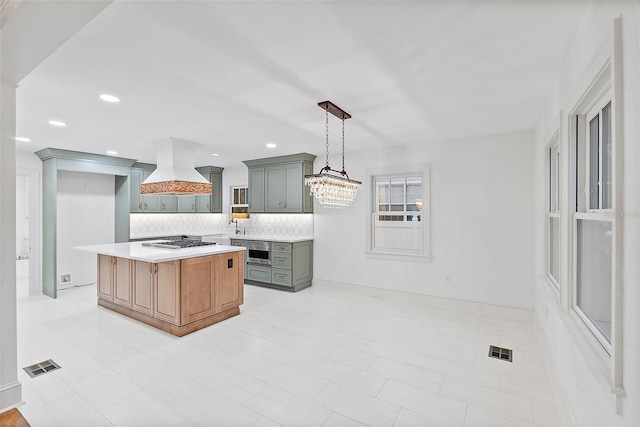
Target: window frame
423, 171
232, 205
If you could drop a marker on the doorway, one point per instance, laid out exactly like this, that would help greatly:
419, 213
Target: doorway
23, 233
27, 233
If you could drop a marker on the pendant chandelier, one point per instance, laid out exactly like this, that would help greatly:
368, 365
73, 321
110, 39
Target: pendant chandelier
332, 188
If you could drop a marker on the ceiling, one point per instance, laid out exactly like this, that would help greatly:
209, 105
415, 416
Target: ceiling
234, 76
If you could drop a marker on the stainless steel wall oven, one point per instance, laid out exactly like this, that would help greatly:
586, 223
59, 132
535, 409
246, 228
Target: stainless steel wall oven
258, 252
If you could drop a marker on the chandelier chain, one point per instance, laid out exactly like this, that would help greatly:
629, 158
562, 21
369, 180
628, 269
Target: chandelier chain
343, 144
327, 135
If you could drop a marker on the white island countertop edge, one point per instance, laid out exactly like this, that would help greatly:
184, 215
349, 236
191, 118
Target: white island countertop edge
135, 250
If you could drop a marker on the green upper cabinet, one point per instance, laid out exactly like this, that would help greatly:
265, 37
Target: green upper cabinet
213, 202
276, 184
172, 204
139, 203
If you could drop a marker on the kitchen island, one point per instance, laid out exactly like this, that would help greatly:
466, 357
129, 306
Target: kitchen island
177, 290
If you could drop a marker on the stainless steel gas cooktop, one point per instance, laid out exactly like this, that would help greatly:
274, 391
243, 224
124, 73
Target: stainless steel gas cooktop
177, 244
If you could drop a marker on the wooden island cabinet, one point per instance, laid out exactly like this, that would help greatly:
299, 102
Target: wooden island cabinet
179, 296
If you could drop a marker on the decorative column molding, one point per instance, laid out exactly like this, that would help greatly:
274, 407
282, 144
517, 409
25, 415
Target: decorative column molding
10, 388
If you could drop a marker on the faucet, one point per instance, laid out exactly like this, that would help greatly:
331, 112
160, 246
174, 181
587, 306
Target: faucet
236, 223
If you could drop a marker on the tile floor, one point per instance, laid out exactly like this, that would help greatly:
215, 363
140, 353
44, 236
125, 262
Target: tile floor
325, 356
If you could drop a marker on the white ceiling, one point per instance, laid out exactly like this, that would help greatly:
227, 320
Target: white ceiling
233, 76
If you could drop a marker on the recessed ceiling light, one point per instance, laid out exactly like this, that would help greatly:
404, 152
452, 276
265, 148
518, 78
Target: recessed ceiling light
21, 139
112, 153
215, 154
271, 145
57, 123
109, 98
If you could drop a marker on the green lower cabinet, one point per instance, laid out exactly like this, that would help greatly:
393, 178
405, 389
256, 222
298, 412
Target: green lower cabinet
291, 266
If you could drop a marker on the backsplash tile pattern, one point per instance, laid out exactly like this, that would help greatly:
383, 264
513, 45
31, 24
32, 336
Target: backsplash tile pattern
161, 225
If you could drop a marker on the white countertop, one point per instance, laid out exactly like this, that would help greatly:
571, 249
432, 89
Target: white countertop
135, 250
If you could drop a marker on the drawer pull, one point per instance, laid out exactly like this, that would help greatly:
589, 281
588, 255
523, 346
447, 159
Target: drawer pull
281, 276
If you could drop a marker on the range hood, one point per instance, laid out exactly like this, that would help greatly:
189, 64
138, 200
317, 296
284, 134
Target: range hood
176, 173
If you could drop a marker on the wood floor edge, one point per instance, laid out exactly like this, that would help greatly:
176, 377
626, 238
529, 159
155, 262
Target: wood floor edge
13, 418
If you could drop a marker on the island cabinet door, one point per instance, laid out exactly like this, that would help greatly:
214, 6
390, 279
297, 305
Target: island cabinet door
229, 280
105, 277
142, 287
197, 289
167, 292
122, 281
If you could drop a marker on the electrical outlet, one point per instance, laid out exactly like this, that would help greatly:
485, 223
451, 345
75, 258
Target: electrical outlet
65, 278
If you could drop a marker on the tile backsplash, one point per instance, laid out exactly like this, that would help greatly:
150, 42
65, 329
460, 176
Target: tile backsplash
160, 225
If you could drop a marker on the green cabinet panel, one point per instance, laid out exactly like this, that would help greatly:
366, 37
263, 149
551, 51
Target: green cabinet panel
276, 184
256, 189
186, 203
169, 204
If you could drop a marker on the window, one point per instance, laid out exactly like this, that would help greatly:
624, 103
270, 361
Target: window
399, 219
593, 224
239, 203
553, 211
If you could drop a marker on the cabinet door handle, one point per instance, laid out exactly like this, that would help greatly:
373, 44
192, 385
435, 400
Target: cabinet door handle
208, 206
282, 204
193, 206
140, 205
146, 206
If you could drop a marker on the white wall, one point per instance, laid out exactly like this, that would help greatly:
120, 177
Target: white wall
582, 374
86, 216
482, 214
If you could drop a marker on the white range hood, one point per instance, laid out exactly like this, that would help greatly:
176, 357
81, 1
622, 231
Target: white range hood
176, 173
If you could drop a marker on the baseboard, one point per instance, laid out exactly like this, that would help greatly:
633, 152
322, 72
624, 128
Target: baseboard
10, 396
514, 313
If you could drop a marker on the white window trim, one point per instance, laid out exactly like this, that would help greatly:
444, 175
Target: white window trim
423, 170
609, 77
554, 143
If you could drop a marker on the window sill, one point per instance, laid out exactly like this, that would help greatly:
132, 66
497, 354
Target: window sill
398, 256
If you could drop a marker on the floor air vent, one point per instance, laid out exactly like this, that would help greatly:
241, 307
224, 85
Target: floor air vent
41, 368
501, 353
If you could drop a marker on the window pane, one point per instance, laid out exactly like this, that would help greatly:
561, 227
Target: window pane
594, 273
594, 150
554, 178
554, 248
606, 157
397, 193
414, 192
383, 193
